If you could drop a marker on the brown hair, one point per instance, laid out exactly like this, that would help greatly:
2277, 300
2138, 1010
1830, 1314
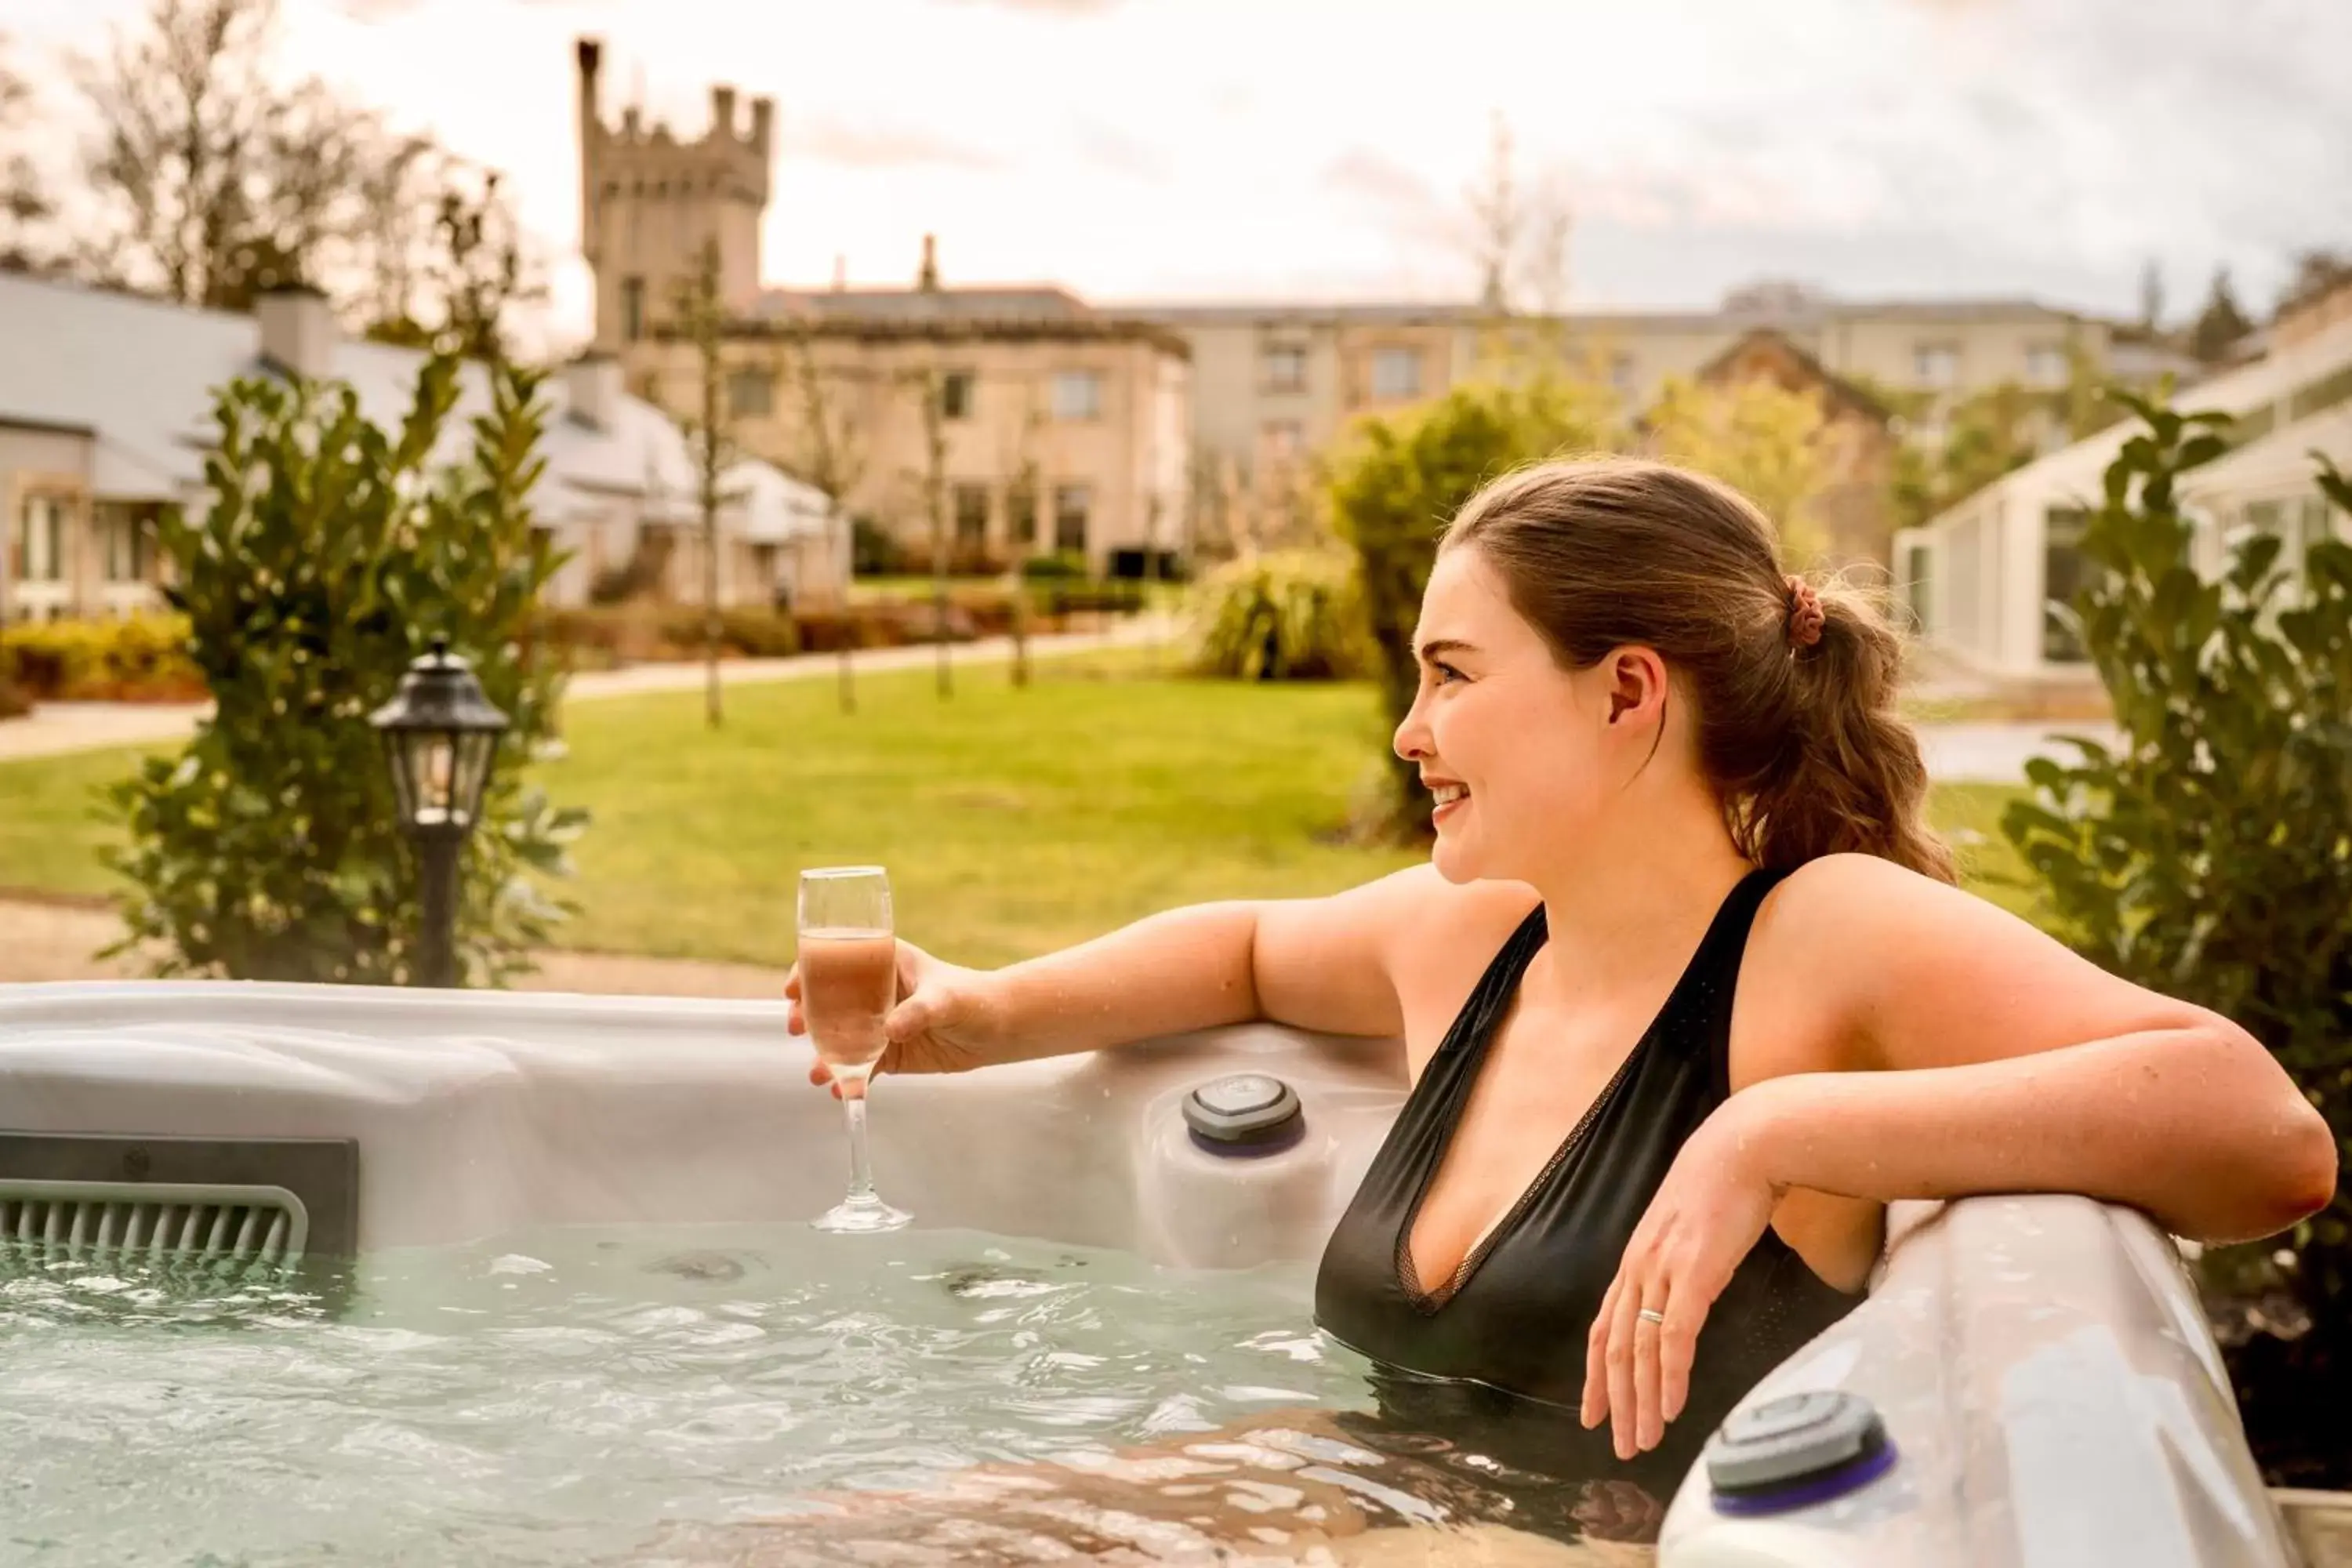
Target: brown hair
1795, 682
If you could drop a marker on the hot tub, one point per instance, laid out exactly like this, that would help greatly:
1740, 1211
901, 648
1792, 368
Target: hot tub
580, 1275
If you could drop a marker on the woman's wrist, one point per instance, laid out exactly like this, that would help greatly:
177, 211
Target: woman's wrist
1770, 1126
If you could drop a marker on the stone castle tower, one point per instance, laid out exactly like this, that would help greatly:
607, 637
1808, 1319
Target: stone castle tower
648, 202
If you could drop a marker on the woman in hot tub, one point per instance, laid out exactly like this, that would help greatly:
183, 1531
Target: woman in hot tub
1687, 992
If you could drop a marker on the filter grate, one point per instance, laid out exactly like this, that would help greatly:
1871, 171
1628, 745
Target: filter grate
221, 1227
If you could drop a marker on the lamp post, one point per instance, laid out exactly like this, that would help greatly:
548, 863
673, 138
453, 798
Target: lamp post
439, 736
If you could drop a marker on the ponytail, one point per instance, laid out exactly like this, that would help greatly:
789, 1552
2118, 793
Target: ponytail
1849, 778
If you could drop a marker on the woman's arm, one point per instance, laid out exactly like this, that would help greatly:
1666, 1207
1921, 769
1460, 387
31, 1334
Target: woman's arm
1322, 964
1921, 1043
1996, 1060
2185, 1122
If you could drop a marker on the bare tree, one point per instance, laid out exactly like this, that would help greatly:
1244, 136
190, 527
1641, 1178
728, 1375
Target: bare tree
1495, 222
2151, 295
216, 181
830, 453
1517, 237
1547, 222
2316, 272
471, 267
1021, 491
396, 195
25, 204
931, 388
701, 319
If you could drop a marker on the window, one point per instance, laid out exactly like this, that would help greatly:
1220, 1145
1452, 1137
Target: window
1936, 364
2062, 578
1283, 367
1071, 504
1021, 513
41, 552
751, 394
1396, 373
2317, 521
1281, 439
1077, 394
2045, 364
955, 394
633, 309
971, 514
126, 542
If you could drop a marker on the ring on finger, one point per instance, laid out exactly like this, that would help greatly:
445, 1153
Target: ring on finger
1651, 1315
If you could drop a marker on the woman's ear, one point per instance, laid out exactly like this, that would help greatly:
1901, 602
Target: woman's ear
1635, 682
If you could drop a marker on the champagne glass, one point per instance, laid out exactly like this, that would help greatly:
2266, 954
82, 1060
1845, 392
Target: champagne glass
849, 978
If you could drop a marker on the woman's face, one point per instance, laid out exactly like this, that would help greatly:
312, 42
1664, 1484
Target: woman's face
1521, 756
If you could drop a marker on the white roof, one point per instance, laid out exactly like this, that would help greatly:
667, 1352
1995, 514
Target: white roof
140, 373
2279, 461
2075, 472
781, 507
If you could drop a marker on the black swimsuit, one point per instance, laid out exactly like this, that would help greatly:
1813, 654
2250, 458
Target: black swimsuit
1490, 1356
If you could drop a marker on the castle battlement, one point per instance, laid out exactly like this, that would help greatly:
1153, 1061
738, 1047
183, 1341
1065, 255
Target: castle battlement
649, 201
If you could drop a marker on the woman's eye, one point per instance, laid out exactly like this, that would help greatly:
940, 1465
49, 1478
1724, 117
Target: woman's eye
1446, 672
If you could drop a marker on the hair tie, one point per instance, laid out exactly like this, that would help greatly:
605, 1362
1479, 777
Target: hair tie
1805, 614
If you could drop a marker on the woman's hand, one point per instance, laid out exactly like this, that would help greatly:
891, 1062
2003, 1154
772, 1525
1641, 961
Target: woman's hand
946, 1018
1712, 1207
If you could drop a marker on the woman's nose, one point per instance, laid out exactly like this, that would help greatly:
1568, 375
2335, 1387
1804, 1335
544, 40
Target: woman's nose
1411, 739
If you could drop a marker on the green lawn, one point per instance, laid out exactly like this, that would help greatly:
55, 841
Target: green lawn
50, 833
1012, 821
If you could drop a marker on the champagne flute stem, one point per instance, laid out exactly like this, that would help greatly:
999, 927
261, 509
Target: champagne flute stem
861, 1168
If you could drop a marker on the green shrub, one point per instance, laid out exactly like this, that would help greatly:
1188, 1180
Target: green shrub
330, 555
1290, 616
873, 552
1393, 489
131, 659
2209, 856
1055, 564
745, 631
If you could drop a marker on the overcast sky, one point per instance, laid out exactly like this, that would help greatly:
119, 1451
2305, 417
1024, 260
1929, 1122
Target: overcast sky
1257, 148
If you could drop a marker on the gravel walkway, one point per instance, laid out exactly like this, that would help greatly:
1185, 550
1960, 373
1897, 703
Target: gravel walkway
46, 940
55, 728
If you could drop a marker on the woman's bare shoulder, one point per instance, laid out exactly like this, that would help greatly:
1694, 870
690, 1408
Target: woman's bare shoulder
1441, 937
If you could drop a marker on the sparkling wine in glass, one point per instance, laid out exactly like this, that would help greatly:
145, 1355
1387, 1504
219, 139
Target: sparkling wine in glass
849, 978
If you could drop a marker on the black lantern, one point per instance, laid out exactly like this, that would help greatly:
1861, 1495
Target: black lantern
440, 735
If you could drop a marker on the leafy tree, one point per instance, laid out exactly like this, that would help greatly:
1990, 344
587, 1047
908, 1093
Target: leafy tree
1391, 490
1988, 433
330, 554
1765, 441
2209, 854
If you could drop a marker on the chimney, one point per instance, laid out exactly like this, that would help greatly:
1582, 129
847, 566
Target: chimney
592, 56
592, 382
763, 122
297, 332
929, 282
722, 112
